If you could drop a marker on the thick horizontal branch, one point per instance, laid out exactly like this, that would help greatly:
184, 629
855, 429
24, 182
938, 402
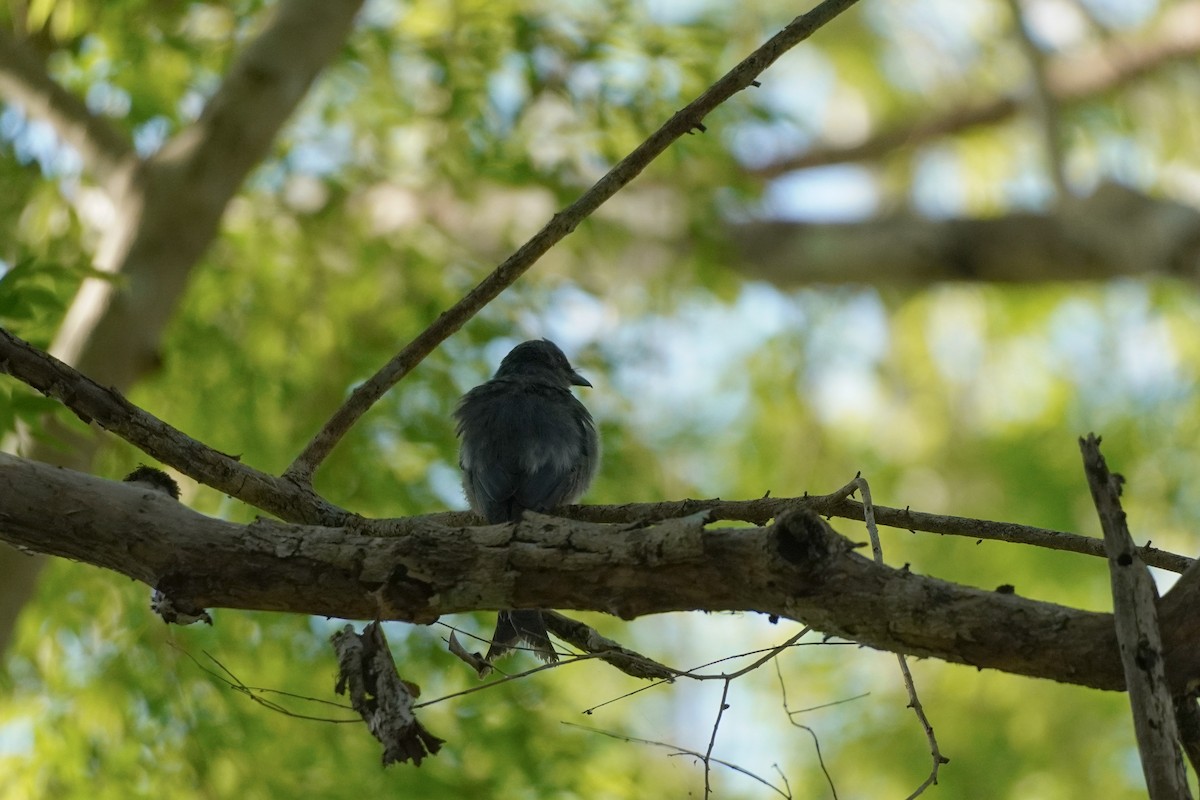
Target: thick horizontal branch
1112, 233
110, 410
796, 568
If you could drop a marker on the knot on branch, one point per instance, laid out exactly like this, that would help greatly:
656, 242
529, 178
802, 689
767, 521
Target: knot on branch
404, 596
803, 538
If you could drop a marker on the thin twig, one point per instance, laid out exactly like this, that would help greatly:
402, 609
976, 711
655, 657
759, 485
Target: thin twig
791, 715
771, 652
914, 702
505, 679
683, 751
689, 119
254, 693
712, 740
831, 703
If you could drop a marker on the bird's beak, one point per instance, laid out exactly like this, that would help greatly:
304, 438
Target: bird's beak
579, 380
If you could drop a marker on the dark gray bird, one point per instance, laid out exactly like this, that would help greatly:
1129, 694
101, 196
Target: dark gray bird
526, 444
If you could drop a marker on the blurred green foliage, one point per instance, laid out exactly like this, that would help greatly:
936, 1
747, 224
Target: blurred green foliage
446, 134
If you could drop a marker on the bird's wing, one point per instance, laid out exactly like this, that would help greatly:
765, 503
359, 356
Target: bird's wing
528, 452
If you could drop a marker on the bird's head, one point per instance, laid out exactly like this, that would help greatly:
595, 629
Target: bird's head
540, 358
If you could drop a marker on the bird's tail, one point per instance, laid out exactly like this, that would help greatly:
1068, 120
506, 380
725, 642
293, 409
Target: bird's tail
514, 627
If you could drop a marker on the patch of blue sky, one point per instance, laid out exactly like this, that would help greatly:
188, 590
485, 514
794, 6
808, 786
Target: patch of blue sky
849, 326
17, 737
629, 74
840, 193
934, 32
445, 482
1030, 188
578, 318
1122, 13
1077, 333
759, 143
956, 332
1055, 24
103, 98
796, 92
36, 141
677, 12
800, 84
150, 136
1144, 353
508, 89
1125, 160
381, 14
586, 80
846, 394
191, 103
682, 368
1148, 359
320, 149
844, 345
937, 188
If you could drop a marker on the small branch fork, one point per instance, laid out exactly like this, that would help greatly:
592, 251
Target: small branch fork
1135, 612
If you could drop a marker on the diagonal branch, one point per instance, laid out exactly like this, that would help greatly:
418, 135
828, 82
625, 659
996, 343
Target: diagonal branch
689, 119
106, 407
914, 701
24, 82
1135, 612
